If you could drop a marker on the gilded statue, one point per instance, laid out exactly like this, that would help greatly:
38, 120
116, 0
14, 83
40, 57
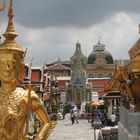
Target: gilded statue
134, 74
15, 103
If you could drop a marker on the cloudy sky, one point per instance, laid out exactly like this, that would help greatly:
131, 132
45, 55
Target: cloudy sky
51, 28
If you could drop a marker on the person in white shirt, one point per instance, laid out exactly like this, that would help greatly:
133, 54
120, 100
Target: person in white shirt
113, 119
76, 116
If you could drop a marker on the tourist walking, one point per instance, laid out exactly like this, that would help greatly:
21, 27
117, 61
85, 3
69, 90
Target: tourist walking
93, 117
101, 117
63, 113
76, 115
72, 116
89, 116
113, 119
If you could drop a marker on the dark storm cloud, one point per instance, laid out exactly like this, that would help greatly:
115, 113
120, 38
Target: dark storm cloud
65, 18
79, 13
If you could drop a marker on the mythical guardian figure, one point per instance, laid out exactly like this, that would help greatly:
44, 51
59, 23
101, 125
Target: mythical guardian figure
16, 103
78, 64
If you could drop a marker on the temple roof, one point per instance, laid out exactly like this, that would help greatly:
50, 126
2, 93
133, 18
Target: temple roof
112, 94
57, 66
100, 48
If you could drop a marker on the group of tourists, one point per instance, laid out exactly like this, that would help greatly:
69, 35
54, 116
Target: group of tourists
95, 115
100, 115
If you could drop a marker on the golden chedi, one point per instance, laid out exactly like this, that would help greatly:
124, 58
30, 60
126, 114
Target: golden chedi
16, 103
134, 73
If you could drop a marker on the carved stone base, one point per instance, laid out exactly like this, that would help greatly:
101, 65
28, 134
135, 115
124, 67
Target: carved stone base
129, 125
124, 135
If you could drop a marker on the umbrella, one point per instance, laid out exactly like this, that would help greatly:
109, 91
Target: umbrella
95, 103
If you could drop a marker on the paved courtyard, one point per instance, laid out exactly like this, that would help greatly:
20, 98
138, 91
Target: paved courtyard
64, 130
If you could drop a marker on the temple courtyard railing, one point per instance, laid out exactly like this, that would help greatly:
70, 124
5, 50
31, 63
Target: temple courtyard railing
129, 125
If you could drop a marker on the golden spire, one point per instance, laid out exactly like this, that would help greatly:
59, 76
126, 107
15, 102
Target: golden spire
10, 45
10, 31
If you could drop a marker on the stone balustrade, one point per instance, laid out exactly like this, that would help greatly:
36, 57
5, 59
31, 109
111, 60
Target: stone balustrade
129, 125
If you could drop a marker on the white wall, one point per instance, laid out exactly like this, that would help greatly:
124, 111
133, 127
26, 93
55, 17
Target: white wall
95, 96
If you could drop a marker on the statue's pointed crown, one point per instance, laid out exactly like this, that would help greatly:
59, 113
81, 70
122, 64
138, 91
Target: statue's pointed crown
9, 45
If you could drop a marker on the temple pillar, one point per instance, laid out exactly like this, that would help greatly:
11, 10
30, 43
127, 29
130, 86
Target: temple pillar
110, 108
84, 93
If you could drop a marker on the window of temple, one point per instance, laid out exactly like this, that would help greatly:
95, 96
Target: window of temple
109, 75
90, 75
100, 75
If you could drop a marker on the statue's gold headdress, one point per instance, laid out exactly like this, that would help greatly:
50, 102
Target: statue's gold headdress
10, 45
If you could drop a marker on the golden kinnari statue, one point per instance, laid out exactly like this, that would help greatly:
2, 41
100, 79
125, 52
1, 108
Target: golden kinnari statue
16, 103
134, 73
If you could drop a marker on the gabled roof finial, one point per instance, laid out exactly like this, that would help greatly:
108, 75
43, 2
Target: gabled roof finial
99, 41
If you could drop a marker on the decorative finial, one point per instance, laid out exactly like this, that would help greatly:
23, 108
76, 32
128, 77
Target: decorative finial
78, 45
59, 61
99, 41
10, 31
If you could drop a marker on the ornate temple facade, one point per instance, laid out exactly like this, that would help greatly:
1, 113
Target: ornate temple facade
100, 62
99, 69
78, 78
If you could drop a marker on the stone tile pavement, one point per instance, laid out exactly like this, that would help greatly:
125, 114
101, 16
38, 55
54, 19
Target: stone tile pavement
64, 130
